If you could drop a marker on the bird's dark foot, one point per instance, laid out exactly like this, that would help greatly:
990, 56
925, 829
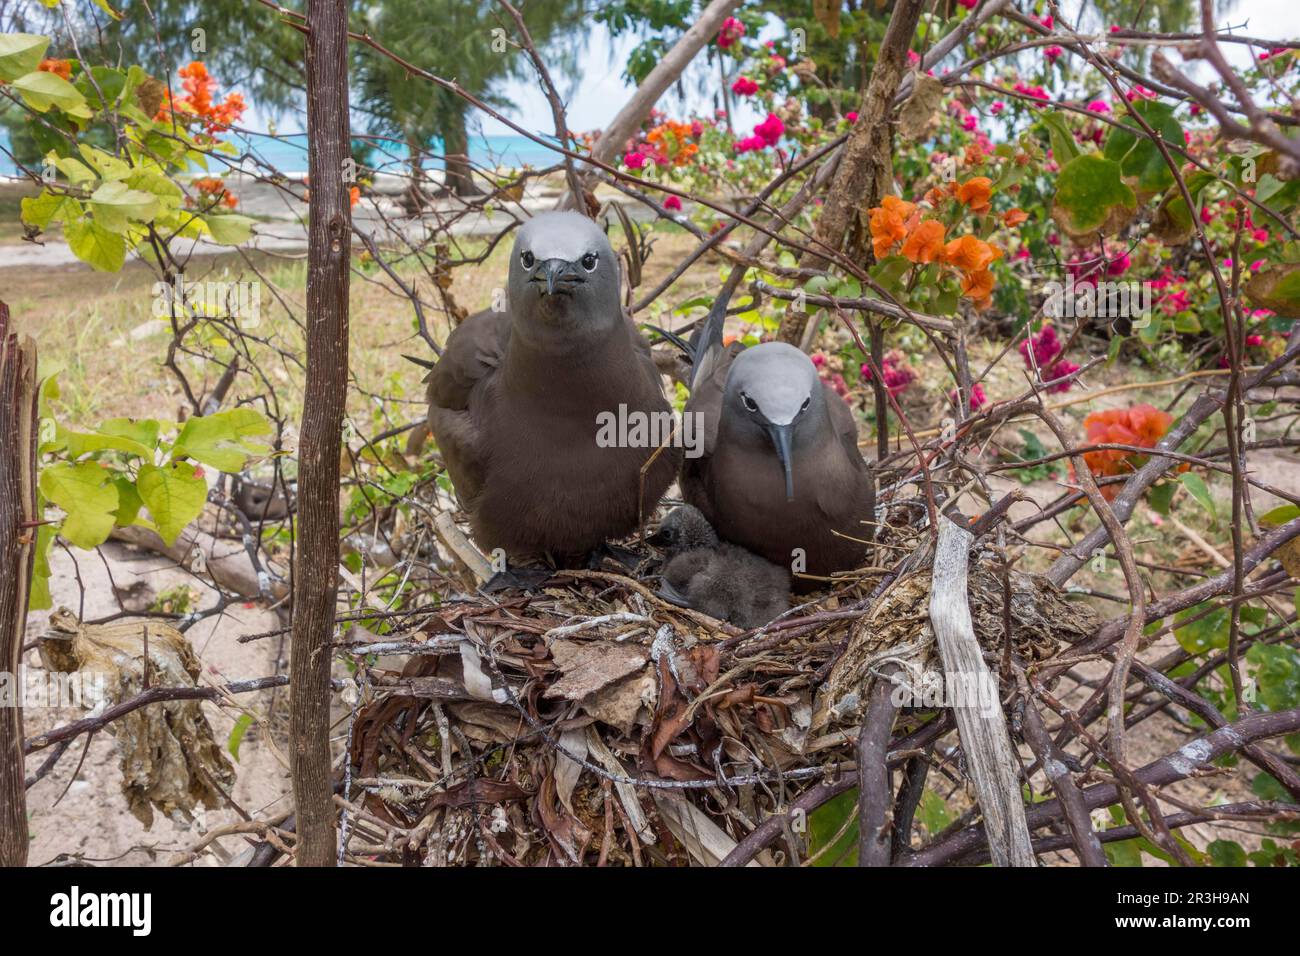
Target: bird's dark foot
624, 557
517, 579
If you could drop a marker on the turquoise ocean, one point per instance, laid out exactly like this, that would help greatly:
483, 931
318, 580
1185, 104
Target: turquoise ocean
288, 153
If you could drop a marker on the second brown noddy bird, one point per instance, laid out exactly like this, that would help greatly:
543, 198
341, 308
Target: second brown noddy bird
516, 398
780, 473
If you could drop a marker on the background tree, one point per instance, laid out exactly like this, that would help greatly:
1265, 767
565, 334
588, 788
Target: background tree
453, 38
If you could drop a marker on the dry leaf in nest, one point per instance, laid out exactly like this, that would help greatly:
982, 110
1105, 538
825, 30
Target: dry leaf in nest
898, 630
168, 756
921, 109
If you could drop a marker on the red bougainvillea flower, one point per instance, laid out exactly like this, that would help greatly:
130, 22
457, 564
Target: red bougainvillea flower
731, 32
1141, 425
61, 68
674, 203
744, 86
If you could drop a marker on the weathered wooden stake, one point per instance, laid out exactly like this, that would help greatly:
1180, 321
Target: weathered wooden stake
977, 707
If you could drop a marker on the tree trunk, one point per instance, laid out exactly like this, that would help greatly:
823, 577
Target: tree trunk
17, 534
865, 167
455, 144
316, 554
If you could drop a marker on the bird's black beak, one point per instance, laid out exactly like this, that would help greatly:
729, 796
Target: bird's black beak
555, 271
781, 437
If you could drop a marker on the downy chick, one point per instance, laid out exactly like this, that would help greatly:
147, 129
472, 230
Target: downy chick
715, 577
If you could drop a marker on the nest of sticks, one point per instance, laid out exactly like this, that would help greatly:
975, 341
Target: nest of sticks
592, 723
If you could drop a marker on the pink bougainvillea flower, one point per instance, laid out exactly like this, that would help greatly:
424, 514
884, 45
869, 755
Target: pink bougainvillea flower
1098, 106
969, 4
913, 58
997, 107
977, 397
634, 160
851, 116
1047, 21
1045, 345
1254, 340
1052, 53
744, 86
731, 32
770, 130
1118, 265
674, 203
1060, 370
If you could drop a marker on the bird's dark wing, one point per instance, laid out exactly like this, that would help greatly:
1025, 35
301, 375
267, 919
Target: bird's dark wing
474, 351
708, 386
845, 427
852, 488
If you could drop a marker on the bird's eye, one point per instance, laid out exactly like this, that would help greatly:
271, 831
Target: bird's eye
526, 259
589, 262
749, 402
806, 402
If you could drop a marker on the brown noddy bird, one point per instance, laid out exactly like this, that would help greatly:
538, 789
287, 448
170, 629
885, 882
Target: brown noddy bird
516, 401
780, 472
720, 579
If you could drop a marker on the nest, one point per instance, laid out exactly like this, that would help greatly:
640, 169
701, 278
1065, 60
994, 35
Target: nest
592, 722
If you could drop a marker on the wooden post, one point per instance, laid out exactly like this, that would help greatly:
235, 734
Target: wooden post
17, 552
976, 705
316, 552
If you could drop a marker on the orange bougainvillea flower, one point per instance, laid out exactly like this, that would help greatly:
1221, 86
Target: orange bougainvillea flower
976, 192
61, 68
925, 244
888, 223
354, 195
935, 196
970, 254
978, 286
1141, 425
1014, 217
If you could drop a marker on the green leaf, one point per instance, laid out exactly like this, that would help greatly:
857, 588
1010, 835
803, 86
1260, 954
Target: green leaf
1139, 157
1280, 515
115, 204
48, 207
20, 54
1207, 633
223, 440
1091, 197
40, 598
128, 502
42, 90
1196, 485
1226, 853
93, 244
117, 434
85, 491
242, 723
174, 495
933, 812
825, 822
1064, 148
1276, 288
1161, 496
229, 229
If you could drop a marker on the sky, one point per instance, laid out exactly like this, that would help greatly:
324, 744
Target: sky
594, 99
